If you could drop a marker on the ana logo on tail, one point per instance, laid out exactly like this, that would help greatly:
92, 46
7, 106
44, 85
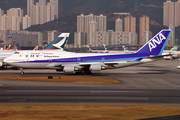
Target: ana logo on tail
157, 40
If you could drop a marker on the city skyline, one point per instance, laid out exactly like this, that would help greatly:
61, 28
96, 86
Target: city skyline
42, 12
102, 23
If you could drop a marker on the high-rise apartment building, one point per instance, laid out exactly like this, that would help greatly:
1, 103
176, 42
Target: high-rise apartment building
54, 5
15, 11
1, 16
4, 22
146, 36
30, 3
171, 40
50, 12
169, 13
42, 2
130, 24
42, 12
89, 18
92, 29
114, 38
16, 22
30, 9
12, 20
26, 22
89, 23
1, 12
99, 38
83, 22
52, 35
177, 15
119, 25
36, 14
80, 39
171, 18
144, 27
101, 20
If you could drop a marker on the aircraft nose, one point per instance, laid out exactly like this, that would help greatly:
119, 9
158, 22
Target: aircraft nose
6, 60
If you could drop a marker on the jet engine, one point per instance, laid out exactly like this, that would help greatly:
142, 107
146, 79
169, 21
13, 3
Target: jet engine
1, 64
95, 67
60, 69
69, 69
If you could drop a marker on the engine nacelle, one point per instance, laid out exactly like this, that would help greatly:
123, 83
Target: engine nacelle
69, 69
58, 70
1, 64
95, 67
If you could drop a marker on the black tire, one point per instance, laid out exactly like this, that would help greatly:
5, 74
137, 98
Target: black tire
22, 73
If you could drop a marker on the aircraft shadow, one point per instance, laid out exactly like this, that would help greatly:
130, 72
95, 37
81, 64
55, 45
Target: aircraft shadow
177, 117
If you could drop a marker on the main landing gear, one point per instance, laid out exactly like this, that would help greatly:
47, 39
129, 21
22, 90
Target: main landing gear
84, 71
22, 73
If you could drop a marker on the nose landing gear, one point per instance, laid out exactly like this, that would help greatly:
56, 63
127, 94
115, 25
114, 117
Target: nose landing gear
22, 73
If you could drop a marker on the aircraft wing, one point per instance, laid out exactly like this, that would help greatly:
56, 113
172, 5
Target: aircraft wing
89, 63
161, 56
54, 65
106, 63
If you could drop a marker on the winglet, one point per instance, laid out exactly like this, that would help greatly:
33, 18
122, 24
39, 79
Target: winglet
156, 45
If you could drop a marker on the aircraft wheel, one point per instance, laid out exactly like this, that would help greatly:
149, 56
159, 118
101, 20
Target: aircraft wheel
88, 73
22, 73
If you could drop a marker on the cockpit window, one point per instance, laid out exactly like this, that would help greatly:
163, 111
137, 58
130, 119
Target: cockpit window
16, 53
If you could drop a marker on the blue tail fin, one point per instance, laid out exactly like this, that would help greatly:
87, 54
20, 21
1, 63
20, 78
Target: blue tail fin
156, 45
59, 43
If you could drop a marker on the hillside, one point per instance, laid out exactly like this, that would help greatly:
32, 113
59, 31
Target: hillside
69, 9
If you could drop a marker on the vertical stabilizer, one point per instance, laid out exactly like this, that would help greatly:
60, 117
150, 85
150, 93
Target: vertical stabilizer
156, 45
175, 48
59, 43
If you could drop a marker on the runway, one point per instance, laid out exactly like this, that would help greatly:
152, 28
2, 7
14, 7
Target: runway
156, 83
82, 95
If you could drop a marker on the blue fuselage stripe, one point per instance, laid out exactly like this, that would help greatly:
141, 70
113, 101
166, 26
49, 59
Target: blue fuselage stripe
102, 58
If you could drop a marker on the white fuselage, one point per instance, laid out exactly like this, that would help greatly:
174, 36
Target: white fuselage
58, 59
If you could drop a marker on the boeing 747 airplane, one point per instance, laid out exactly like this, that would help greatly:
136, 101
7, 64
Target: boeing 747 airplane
174, 54
57, 44
99, 51
70, 62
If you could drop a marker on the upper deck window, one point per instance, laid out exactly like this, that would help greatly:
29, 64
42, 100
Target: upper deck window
16, 53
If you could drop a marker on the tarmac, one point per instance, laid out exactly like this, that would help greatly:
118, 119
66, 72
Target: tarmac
155, 83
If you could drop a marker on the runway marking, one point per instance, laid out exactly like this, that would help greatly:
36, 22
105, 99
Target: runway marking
67, 91
42, 91
114, 91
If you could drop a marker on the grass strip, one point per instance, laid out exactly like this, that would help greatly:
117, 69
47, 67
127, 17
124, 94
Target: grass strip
65, 79
84, 112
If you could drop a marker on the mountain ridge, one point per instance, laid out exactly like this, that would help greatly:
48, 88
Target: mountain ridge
68, 11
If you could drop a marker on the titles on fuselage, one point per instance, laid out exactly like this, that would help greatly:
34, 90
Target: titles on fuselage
51, 56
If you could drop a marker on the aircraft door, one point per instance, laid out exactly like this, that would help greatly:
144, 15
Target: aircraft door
27, 58
78, 60
50, 60
102, 59
41, 53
